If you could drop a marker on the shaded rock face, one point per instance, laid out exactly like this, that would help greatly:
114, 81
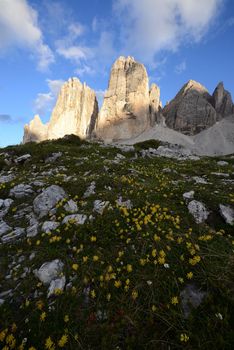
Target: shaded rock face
126, 108
75, 113
222, 101
194, 109
190, 111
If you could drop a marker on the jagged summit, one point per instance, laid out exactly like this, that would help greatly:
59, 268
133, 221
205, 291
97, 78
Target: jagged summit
130, 107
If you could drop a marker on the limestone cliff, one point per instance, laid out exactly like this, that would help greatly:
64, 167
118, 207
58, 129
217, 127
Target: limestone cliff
75, 113
35, 131
126, 108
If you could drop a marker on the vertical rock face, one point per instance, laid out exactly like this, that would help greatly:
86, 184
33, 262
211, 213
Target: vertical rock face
222, 101
156, 116
125, 112
35, 131
191, 110
75, 113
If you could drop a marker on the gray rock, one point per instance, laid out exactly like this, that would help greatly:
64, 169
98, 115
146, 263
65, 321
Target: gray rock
222, 163
127, 204
188, 195
53, 157
199, 211
191, 298
45, 201
55, 285
14, 235
227, 213
71, 206
90, 190
222, 101
4, 228
4, 207
99, 206
23, 159
191, 111
200, 180
78, 219
49, 271
6, 178
49, 226
220, 174
21, 191
32, 231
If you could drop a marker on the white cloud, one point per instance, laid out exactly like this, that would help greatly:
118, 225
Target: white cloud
19, 27
75, 53
181, 67
84, 70
150, 26
44, 102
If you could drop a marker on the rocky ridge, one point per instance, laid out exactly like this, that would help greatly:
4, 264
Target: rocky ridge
130, 108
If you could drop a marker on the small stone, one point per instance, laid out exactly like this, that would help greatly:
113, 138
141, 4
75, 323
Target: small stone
32, 231
49, 271
126, 204
199, 180
56, 285
188, 195
198, 210
220, 174
227, 213
90, 190
4, 228
45, 201
53, 157
23, 159
191, 297
99, 206
78, 219
222, 163
71, 206
21, 191
49, 226
12, 236
6, 178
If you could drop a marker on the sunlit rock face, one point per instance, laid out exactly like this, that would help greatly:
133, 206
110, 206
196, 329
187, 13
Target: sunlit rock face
75, 113
191, 110
35, 131
126, 108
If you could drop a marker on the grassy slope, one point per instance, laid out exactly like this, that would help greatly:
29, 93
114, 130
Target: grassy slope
132, 301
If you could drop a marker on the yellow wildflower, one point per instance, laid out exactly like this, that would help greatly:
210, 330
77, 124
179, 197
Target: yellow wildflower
189, 275
62, 341
75, 267
184, 338
49, 344
93, 294
43, 316
66, 319
118, 284
95, 258
134, 294
129, 267
93, 239
174, 300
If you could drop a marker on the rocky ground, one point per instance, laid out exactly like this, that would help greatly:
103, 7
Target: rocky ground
127, 247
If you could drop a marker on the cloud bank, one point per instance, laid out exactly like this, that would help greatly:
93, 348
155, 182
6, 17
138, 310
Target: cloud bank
19, 27
150, 26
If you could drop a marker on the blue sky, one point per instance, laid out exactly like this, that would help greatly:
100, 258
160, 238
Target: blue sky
43, 43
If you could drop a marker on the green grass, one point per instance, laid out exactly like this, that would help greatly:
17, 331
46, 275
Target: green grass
122, 255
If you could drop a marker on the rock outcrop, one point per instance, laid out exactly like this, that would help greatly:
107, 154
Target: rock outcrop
75, 113
222, 101
191, 110
35, 131
126, 108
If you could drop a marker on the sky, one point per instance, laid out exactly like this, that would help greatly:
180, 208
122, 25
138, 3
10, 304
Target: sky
44, 43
